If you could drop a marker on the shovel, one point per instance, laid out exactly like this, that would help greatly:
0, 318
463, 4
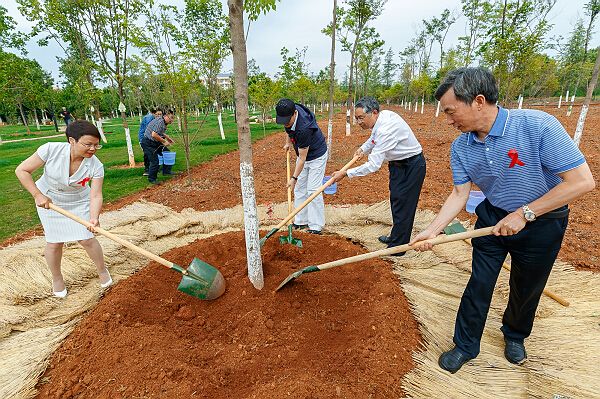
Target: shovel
289, 239
200, 279
383, 252
457, 227
302, 205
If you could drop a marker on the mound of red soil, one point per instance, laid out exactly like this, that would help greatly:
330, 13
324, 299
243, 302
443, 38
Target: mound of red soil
346, 332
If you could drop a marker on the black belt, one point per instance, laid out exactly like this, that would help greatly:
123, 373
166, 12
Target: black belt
405, 160
558, 213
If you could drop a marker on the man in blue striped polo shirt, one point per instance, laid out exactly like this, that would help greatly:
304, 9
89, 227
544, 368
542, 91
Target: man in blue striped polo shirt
529, 170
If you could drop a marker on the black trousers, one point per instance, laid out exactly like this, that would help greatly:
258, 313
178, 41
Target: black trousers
406, 180
152, 149
146, 160
533, 252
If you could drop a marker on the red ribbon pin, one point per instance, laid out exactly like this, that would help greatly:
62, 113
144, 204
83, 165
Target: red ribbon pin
514, 158
372, 141
87, 179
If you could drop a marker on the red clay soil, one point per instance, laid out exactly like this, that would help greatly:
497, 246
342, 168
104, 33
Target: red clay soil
346, 332
216, 185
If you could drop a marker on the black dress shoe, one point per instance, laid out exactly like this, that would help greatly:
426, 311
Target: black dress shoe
299, 226
453, 360
313, 231
398, 253
384, 239
514, 351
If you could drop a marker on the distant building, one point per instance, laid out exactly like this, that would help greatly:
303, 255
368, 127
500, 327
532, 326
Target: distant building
223, 80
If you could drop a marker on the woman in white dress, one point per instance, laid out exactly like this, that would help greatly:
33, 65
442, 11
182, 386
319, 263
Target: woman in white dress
72, 180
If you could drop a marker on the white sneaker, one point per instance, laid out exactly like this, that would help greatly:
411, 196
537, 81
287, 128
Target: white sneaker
60, 294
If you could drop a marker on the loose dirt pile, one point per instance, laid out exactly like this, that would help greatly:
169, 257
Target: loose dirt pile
343, 333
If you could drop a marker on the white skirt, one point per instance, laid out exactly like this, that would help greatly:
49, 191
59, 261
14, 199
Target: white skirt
59, 228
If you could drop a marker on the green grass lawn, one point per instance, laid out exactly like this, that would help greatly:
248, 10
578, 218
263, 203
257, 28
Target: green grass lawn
18, 209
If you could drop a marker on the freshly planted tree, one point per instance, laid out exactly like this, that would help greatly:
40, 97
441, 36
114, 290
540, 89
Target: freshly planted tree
588, 99
240, 69
331, 80
206, 40
353, 22
108, 25
264, 92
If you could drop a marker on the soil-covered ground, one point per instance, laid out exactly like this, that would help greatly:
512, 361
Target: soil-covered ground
216, 185
345, 333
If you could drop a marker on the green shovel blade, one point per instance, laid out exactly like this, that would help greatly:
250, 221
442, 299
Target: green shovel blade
202, 280
289, 239
297, 274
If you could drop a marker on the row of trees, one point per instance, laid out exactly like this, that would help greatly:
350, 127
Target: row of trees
179, 54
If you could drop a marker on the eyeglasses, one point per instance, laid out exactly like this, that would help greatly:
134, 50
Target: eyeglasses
361, 117
91, 146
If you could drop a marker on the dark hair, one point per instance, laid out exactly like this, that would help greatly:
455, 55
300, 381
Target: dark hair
80, 128
153, 110
168, 111
468, 83
368, 104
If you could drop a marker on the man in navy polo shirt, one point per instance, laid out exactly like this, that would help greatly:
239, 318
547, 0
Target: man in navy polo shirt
308, 141
529, 170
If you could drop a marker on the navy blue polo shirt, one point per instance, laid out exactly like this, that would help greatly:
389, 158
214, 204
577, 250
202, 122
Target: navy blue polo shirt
518, 161
307, 133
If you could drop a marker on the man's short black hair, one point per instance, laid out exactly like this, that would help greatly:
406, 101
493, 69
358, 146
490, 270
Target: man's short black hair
468, 83
80, 128
368, 104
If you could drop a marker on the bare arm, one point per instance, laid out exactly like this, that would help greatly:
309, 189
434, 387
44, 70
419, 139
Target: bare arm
24, 171
157, 137
454, 204
302, 153
96, 201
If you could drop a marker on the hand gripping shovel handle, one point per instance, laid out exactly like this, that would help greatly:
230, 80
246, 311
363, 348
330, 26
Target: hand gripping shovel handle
308, 200
441, 239
121, 241
289, 176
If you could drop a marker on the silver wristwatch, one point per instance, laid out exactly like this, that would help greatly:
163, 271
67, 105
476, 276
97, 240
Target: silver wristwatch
528, 213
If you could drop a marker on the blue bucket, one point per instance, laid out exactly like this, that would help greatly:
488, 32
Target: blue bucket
160, 160
169, 157
331, 189
475, 198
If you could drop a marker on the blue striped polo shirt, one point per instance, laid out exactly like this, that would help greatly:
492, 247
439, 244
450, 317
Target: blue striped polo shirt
518, 161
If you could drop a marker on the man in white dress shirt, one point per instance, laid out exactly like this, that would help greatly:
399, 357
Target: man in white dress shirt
391, 140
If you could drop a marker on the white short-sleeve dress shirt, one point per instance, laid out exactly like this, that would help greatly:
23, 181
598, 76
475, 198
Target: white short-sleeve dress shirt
71, 193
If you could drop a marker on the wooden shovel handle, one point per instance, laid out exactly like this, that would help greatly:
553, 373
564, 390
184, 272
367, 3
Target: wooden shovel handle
314, 195
114, 237
289, 176
441, 239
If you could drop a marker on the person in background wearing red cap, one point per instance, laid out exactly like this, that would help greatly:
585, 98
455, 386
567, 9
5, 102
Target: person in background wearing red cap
308, 141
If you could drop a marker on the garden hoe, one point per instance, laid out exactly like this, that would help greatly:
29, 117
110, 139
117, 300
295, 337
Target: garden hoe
289, 239
383, 252
200, 279
457, 227
302, 205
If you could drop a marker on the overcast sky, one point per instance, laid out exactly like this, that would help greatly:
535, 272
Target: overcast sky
298, 23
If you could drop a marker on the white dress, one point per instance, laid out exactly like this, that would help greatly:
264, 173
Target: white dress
71, 193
